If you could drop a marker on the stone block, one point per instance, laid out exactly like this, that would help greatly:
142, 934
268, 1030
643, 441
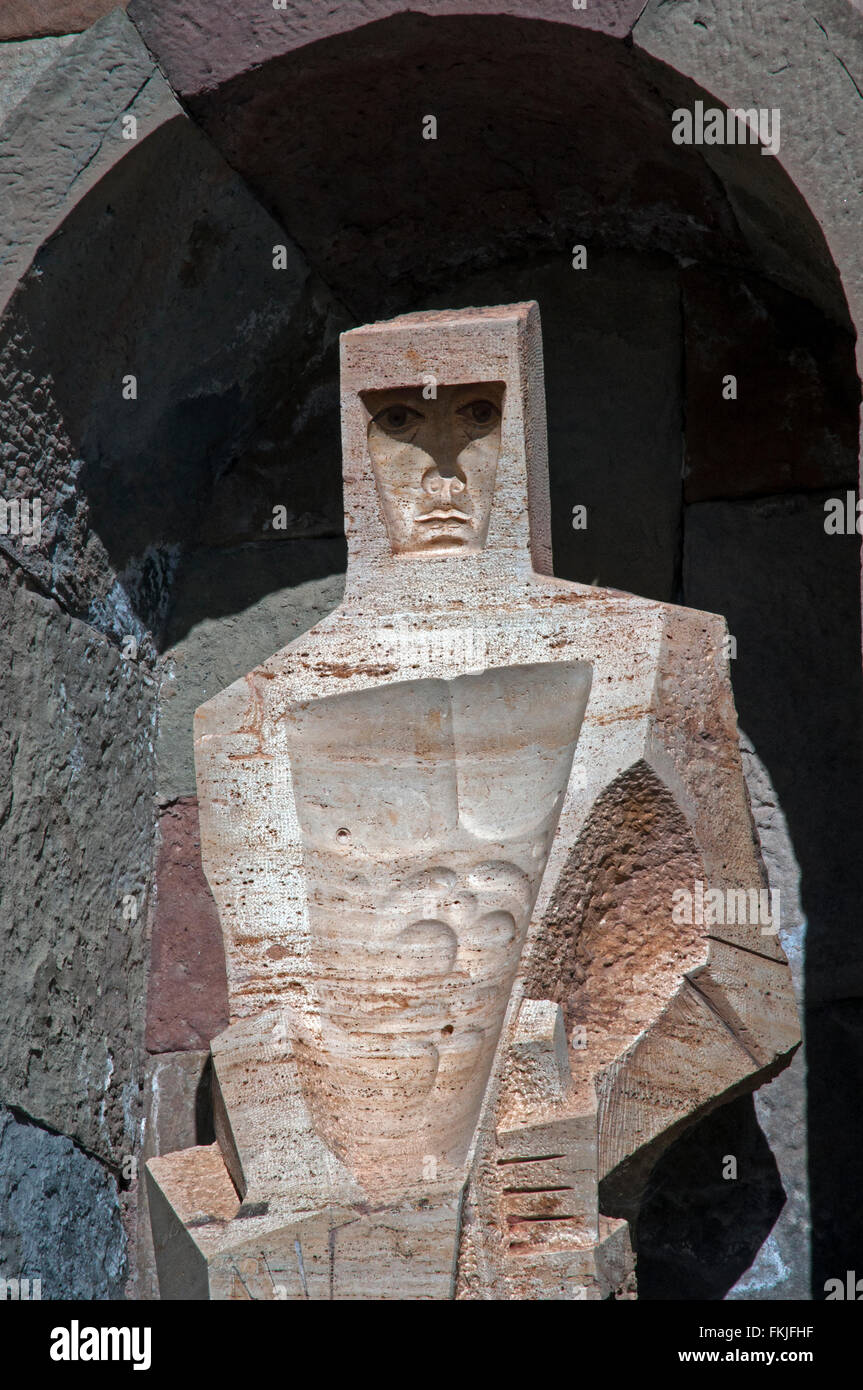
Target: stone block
206, 43
75, 842
20, 66
177, 1115
29, 19
426, 876
60, 1215
187, 995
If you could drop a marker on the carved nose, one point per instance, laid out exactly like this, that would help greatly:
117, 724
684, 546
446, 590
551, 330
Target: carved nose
443, 487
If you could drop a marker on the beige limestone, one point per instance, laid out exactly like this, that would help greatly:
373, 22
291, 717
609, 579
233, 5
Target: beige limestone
443, 829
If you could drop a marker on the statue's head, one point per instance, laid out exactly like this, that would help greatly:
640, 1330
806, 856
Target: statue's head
444, 444
434, 452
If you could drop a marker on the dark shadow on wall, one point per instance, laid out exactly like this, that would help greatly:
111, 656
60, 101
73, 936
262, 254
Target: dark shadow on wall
697, 1231
791, 595
164, 273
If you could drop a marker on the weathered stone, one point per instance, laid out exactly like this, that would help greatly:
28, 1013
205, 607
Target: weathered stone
808, 66
619, 183
27, 19
20, 66
187, 994
236, 38
792, 424
60, 1218
191, 257
58, 143
386, 797
75, 844
231, 609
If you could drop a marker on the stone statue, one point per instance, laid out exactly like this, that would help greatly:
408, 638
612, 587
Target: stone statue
444, 830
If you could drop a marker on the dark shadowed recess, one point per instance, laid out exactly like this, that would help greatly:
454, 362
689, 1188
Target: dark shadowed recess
700, 263
697, 1231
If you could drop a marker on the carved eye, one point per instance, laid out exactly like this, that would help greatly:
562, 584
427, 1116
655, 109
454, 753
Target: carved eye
480, 417
397, 419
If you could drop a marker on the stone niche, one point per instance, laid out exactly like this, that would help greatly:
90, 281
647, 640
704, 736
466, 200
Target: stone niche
445, 830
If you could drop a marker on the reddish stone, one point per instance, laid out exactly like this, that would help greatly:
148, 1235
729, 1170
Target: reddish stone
187, 1000
35, 19
792, 427
202, 43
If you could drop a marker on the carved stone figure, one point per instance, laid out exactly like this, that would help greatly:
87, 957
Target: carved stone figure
444, 830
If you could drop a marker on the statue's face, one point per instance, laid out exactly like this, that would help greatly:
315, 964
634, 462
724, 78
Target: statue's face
435, 462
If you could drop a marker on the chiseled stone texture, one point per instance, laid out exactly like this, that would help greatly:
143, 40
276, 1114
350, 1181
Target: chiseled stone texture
20, 66
807, 61
75, 844
360, 834
204, 42
232, 609
27, 19
236, 410
60, 1217
187, 992
58, 144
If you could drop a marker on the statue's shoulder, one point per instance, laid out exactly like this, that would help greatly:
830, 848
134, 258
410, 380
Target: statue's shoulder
239, 708
617, 605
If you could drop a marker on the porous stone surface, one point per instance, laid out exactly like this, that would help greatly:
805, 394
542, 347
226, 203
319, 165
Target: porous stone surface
60, 1218
232, 607
24, 19
75, 843
187, 992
